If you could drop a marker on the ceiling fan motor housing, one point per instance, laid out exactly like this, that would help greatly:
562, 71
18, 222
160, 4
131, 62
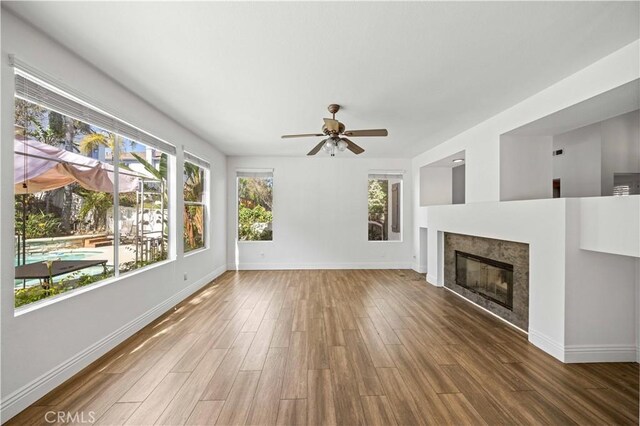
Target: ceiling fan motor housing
327, 132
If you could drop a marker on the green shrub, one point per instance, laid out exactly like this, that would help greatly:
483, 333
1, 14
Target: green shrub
253, 223
39, 225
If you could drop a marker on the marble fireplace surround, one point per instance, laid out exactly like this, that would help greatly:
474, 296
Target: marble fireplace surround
516, 254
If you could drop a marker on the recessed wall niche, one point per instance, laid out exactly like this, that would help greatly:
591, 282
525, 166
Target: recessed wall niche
443, 182
576, 152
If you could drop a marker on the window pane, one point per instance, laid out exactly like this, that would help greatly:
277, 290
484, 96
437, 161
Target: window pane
144, 209
194, 207
255, 198
193, 227
384, 201
63, 199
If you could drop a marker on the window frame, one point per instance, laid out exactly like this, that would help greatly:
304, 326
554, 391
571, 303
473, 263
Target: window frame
205, 203
388, 176
95, 116
238, 175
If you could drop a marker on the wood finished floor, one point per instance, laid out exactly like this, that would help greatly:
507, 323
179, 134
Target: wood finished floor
337, 347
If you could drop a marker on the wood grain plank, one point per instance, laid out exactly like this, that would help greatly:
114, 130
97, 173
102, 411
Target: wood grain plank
282, 333
205, 413
375, 345
292, 412
377, 411
264, 410
333, 327
403, 405
320, 405
179, 409
295, 376
143, 387
345, 388
317, 354
365, 371
237, 404
257, 353
151, 409
220, 384
118, 414
461, 409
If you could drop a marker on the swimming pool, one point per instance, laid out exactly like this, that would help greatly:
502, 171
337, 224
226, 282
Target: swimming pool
60, 255
57, 255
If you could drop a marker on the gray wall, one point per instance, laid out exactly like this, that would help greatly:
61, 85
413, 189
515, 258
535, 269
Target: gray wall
525, 167
457, 182
578, 168
592, 154
620, 147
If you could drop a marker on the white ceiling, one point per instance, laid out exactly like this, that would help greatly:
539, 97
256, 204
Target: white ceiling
242, 74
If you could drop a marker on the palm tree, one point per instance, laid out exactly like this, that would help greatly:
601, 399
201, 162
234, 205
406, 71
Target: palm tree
94, 140
96, 203
193, 213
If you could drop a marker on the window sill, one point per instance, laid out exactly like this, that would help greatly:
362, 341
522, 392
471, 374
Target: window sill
23, 310
194, 251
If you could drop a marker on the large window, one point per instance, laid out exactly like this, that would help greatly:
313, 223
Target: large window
195, 202
255, 202
385, 212
69, 161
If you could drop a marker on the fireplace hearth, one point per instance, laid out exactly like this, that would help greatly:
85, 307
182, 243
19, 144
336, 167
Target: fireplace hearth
489, 278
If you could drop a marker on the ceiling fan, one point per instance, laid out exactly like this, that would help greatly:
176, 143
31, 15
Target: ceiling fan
335, 131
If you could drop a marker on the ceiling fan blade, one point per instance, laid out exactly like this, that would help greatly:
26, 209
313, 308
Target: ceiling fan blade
353, 147
332, 125
317, 148
304, 135
371, 132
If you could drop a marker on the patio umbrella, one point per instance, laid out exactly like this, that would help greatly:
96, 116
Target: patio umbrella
45, 167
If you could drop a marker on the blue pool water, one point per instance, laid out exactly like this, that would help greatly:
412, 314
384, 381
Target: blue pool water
56, 255
59, 255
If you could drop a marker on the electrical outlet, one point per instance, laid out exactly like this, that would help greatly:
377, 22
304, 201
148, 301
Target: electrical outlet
185, 276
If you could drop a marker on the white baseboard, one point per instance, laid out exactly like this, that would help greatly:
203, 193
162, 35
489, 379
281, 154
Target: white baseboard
293, 266
600, 353
547, 344
17, 401
421, 269
433, 280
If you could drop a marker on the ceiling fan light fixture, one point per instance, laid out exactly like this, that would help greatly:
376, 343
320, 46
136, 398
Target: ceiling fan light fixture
333, 129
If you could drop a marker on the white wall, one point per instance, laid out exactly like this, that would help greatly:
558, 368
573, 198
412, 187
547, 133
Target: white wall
541, 223
620, 147
319, 215
525, 167
435, 186
43, 347
599, 298
611, 225
481, 143
579, 166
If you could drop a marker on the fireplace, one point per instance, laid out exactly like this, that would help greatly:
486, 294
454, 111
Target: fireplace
488, 278
493, 274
